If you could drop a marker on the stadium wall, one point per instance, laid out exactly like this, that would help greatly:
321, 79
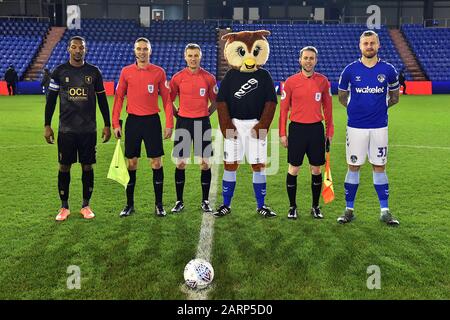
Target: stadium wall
414, 87
393, 12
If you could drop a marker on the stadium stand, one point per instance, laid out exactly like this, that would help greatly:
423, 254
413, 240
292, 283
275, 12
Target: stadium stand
432, 49
110, 44
20, 40
337, 46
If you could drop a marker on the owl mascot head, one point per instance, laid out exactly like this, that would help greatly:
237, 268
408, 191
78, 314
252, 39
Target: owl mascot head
246, 52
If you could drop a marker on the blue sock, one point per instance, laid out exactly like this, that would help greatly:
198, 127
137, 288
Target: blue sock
259, 186
351, 186
380, 182
228, 184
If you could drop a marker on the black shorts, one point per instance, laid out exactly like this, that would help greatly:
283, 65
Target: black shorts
192, 130
306, 138
147, 128
72, 145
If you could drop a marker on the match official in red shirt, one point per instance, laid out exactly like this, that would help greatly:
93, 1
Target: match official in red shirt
195, 88
307, 95
141, 82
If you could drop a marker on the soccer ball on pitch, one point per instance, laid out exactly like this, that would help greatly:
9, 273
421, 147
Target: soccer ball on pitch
198, 274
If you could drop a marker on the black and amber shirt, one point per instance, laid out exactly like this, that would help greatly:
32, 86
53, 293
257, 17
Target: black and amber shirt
77, 87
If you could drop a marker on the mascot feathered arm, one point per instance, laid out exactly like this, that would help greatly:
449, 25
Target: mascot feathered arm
225, 120
262, 127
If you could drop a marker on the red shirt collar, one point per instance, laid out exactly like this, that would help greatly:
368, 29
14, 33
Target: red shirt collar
186, 70
305, 77
146, 68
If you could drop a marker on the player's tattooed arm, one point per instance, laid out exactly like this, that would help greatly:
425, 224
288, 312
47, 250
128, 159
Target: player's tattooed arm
343, 97
393, 97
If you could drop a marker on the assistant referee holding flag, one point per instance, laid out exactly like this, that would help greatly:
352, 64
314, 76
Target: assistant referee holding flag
141, 82
77, 83
307, 96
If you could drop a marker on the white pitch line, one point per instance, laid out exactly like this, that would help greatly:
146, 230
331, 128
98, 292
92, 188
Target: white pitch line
26, 146
419, 147
205, 242
408, 146
103, 144
43, 145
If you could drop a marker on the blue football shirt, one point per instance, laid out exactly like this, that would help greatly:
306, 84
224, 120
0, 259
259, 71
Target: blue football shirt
368, 93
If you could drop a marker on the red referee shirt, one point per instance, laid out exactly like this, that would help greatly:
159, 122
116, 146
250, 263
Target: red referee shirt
305, 97
142, 86
194, 89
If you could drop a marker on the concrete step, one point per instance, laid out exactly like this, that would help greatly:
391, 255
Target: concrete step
50, 41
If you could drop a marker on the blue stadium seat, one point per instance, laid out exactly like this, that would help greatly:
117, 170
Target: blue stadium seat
287, 40
432, 49
110, 43
19, 43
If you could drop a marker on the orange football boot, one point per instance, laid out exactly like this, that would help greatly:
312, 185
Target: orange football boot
63, 214
87, 213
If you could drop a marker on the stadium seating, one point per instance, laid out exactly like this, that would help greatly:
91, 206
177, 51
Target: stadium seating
20, 40
337, 46
432, 49
110, 44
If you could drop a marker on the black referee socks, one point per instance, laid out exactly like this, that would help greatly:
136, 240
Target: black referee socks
130, 187
158, 179
316, 188
179, 183
206, 183
291, 187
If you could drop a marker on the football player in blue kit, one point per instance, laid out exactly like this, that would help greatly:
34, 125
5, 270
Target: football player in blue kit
367, 88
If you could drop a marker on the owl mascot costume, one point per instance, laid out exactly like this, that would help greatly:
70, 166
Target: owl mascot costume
246, 104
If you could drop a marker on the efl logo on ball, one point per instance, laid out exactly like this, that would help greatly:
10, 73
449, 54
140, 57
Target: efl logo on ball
198, 274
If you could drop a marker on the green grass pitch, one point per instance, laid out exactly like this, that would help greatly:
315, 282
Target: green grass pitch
143, 257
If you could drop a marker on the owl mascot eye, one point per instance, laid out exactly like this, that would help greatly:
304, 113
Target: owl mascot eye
253, 90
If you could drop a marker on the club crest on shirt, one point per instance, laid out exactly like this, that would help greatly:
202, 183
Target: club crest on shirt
283, 95
67, 79
381, 77
216, 89
88, 79
318, 96
150, 88
202, 92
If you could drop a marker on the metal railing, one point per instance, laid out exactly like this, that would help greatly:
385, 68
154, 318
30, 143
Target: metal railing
411, 20
359, 20
47, 19
221, 22
437, 23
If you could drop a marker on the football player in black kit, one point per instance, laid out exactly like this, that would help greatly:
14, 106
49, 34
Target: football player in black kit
77, 83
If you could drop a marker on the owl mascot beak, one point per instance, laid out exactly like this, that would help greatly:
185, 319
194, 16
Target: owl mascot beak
249, 65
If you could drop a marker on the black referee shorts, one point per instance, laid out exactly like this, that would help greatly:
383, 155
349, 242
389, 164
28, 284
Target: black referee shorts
147, 128
73, 145
192, 130
306, 138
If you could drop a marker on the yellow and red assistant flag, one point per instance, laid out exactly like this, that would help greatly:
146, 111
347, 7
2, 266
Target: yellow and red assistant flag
327, 188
